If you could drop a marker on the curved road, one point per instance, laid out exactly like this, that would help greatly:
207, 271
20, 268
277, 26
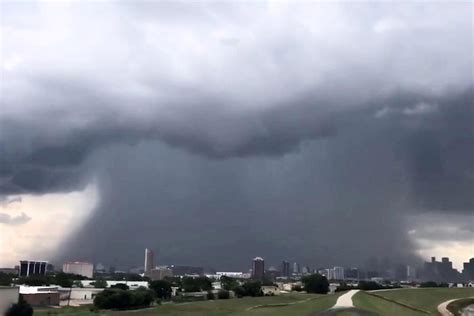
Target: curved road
443, 308
344, 304
353, 310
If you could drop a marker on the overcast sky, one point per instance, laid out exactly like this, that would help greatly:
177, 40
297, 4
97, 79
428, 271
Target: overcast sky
214, 132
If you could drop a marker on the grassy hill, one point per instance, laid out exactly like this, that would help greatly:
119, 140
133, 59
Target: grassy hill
282, 305
428, 298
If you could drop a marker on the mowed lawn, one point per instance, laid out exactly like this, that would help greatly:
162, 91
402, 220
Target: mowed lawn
282, 305
427, 298
382, 307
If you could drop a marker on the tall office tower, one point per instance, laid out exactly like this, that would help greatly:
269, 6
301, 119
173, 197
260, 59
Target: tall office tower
285, 269
258, 268
149, 261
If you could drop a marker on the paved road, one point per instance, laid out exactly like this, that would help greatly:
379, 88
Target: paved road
443, 310
344, 304
345, 301
337, 311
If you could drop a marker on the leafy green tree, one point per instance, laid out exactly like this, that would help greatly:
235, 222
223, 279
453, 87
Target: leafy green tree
315, 283
223, 294
196, 284
228, 283
210, 295
120, 299
99, 283
162, 288
77, 283
370, 286
5, 279
429, 284
64, 279
239, 291
253, 288
34, 280
122, 286
22, 308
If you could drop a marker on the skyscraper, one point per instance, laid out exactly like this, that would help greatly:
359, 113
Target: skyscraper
149, 261
285, 269
258, 268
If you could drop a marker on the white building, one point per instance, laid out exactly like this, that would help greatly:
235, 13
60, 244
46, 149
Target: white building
133, 285
237, 275
81, 268
26, 289
84, 294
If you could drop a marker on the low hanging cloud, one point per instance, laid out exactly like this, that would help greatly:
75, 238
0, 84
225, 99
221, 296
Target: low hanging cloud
7, 219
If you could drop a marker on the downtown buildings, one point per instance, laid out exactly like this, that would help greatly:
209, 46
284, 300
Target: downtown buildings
85, 269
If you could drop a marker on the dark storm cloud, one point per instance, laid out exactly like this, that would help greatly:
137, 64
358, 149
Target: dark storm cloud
266, 130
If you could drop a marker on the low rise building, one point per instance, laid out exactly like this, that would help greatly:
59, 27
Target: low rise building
40, 295
133, 285
160, 273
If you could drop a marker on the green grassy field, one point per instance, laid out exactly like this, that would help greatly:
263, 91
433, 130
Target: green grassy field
291, 304
382, 307
427, 299
282, 305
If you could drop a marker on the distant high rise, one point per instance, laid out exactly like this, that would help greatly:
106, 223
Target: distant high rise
28, 268
258, 268
439, 271
99, 268
468, 270
79, 268
296, 268
285, 269
149, 261
338, 273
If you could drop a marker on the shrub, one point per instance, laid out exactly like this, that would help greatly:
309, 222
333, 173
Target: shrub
210, 295
162, 288
121, 286
121, 299
239, 291
316, 283
223, 294
253, 288
183, 299
22, 308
